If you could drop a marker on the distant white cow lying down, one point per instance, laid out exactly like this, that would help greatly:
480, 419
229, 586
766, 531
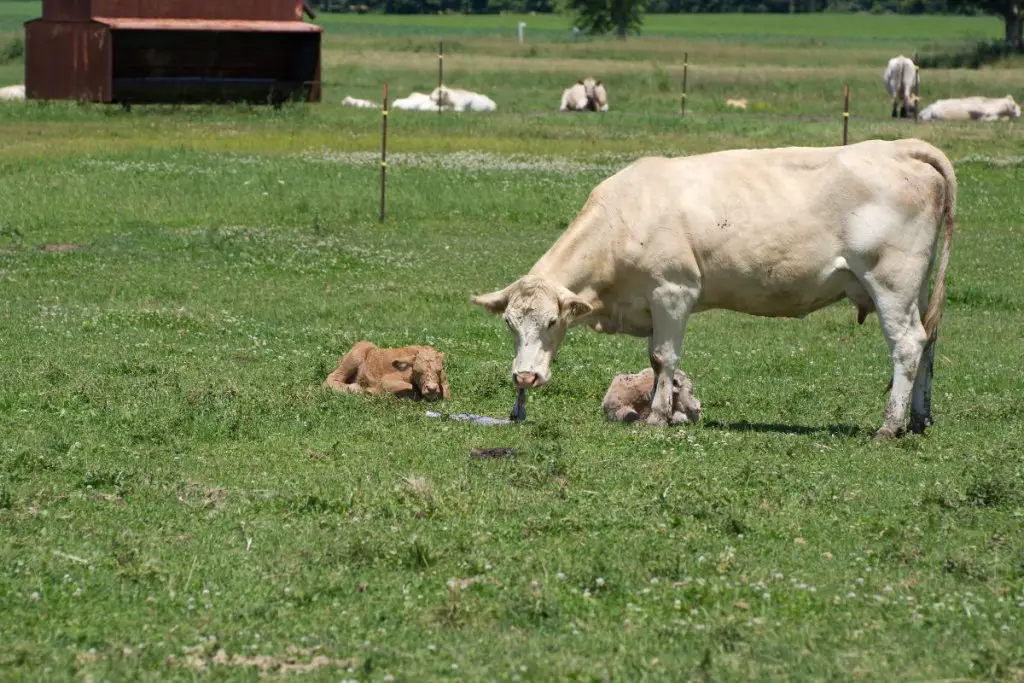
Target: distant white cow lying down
972, 108
356, 102
12, 93
461, 100
585, 95
416, 101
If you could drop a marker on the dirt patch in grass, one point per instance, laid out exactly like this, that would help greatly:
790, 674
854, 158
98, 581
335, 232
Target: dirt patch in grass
62, 248
296, 661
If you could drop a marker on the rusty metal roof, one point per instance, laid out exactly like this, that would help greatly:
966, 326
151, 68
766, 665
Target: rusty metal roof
132, 23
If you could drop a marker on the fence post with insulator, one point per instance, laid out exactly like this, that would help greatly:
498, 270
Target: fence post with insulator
440, 74
682, 98
383, 152
846, 112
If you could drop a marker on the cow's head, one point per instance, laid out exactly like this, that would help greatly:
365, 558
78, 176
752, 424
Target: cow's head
1012, 108
538, 312
426, 367
911, 104
590, 87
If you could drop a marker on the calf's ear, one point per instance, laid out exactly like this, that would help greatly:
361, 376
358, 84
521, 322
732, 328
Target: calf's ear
495, 302
403, 363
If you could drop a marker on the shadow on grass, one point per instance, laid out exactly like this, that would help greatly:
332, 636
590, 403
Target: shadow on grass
744, 426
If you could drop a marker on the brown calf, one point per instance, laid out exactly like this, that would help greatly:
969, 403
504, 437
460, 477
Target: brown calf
409, 372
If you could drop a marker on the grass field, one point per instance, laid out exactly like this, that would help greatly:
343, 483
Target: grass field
175, 283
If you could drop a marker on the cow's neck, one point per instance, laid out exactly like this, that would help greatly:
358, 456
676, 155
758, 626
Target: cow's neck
580, 260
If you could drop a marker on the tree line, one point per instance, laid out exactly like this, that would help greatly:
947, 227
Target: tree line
626, 16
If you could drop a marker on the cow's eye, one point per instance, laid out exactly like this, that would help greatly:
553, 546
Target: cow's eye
509, 323
551, 323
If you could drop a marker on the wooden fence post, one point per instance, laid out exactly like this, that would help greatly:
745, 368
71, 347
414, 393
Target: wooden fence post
682, 99
383, 152
440, 74
846, 111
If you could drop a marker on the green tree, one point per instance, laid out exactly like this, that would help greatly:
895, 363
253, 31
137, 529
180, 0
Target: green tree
1012, 12
597, 17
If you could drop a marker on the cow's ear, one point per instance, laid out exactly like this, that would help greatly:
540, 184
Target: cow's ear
598, 83
495, 302
580, 81
573, 307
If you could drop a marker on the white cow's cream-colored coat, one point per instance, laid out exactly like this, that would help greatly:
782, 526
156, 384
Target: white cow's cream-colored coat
12, 93
417, 101
350, 101
901, 82
770, 232
462, 100
574, 98
585, 95
972, 108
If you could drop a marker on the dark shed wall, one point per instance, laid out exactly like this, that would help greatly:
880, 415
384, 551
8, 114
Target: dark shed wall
67, 61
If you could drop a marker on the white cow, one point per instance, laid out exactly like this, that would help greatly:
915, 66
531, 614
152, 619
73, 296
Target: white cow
902, 84
462, 100
416, 101
356, 102
972, 108
585, 95
574, 98
12, 93
770, 232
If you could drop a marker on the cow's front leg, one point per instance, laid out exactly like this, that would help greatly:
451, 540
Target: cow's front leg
670, 308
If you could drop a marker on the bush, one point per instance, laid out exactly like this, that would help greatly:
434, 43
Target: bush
13, 50
972, 57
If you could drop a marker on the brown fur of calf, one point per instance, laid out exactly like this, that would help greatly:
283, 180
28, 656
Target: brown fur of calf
409, 372
629, 398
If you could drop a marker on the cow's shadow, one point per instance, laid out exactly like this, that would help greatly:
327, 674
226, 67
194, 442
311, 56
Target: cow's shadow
745, 426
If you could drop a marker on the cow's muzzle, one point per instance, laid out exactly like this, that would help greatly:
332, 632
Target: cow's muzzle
431, 392
527, 380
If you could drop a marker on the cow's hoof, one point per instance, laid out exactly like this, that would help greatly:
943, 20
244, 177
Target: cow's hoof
919, 424
887, 433
680, 418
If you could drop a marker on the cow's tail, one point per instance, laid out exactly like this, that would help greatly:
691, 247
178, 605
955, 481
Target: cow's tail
940, 163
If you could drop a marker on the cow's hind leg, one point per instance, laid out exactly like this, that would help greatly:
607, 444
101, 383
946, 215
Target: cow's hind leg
670, 308
901, 325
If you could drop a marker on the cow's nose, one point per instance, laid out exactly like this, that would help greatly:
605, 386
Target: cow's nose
524, 380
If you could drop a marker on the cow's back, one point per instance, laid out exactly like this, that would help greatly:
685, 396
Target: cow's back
758, 228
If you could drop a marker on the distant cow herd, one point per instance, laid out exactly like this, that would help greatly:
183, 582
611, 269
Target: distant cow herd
901, 80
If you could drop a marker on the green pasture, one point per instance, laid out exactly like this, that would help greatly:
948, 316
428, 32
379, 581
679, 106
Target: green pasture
180, 500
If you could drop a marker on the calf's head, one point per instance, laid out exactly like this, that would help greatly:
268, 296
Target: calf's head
537, 312
426, 368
